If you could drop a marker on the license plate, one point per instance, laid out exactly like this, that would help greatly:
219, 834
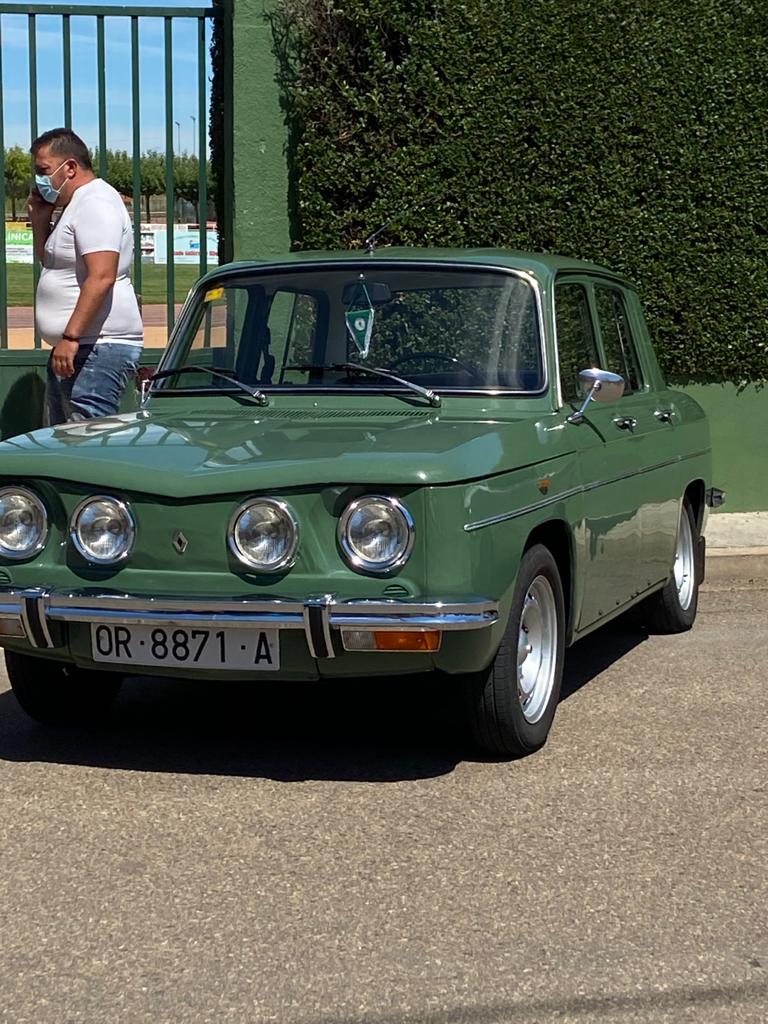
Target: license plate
182, 647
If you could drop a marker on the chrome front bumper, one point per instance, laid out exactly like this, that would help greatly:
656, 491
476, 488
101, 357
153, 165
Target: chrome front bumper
32, 611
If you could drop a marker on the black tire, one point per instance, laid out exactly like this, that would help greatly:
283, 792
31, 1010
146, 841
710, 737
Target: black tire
493, 698
56, 693
665, 611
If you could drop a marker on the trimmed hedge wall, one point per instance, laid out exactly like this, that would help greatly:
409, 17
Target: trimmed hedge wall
627, 132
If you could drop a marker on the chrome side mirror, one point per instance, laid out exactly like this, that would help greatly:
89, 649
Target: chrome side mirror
598, 386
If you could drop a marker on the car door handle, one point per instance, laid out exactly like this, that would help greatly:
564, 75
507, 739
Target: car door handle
664, 415
625, 422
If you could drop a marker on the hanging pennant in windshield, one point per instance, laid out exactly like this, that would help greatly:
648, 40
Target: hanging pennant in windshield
360, 319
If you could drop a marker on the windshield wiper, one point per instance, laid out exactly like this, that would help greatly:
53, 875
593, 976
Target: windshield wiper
260, 397
431, 396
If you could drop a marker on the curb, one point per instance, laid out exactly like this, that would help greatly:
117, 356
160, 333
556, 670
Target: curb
737, 547
745, 565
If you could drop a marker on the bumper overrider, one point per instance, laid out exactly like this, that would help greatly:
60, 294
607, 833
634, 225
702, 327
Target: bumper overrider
28, 614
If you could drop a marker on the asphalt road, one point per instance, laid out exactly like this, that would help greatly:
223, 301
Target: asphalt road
336, 855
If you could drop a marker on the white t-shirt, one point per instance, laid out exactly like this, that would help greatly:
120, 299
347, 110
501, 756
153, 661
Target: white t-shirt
94, 220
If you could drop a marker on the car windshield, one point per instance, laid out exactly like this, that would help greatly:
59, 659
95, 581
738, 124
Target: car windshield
447, 328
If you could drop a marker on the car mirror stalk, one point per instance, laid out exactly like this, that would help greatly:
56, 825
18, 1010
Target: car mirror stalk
603, 387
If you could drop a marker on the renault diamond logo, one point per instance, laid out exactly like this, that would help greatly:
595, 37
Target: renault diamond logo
180, 542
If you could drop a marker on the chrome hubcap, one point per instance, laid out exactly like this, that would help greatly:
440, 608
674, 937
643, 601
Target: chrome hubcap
537, 649
685, 568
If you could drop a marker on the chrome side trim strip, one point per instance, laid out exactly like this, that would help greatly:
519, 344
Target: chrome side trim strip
635, 472
504, 516
582, 489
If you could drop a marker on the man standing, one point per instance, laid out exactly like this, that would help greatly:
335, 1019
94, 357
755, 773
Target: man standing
86, 307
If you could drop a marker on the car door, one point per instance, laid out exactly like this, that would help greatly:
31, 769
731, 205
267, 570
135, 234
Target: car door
611, 451
652, 426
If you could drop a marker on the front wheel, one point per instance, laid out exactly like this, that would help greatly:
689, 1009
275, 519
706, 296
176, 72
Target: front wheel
56, 693
511, 704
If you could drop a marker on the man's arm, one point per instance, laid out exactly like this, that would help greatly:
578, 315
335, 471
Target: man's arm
101, 275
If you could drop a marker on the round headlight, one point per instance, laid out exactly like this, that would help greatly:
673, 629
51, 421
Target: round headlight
23, 523
103, 530
376, 534
264, 535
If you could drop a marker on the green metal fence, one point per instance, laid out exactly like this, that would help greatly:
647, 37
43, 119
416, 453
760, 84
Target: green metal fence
67, 13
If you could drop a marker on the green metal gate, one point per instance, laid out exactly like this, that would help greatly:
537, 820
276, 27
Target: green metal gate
70, 15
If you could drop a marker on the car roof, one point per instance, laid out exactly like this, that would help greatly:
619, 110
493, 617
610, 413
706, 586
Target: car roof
541, 265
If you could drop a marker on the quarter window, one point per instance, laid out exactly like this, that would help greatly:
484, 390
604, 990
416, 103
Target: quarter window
620, 353
576, 345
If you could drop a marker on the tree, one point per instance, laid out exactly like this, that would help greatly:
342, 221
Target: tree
186, 170
120, 171
18, 175
152, 177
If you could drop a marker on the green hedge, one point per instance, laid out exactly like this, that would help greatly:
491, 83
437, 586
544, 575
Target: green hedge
628, 132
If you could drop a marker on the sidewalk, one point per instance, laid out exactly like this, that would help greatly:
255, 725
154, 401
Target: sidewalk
737, 546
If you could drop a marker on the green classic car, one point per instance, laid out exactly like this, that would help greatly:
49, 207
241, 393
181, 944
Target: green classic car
361, 464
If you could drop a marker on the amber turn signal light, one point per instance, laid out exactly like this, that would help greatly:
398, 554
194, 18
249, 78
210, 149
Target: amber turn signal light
407, 640
391, 640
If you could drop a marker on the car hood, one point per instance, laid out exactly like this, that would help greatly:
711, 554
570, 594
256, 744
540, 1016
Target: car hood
183, 455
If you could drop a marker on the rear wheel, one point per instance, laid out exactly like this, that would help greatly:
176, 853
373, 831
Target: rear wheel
673, 609
57, 693
511, 704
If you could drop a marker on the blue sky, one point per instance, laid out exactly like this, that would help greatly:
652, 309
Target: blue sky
50, 91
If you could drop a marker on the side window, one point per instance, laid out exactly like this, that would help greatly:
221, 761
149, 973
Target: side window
220, 327
292, 323
252, 335
620, 352
575, 337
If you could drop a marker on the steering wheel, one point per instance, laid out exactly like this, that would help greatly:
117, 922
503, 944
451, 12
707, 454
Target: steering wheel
443, 357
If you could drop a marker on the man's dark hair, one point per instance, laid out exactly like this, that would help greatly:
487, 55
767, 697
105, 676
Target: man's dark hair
64, 143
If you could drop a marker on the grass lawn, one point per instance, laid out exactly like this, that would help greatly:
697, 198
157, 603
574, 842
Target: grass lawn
20, 287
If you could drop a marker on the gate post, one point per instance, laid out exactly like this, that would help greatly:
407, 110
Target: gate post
259, 205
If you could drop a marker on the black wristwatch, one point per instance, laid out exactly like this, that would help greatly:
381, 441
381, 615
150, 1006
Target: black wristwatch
70, 337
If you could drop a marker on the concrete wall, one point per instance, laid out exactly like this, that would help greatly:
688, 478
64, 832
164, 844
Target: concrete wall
259, 167
739, 424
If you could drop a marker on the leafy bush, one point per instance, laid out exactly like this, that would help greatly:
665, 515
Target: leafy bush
626, 133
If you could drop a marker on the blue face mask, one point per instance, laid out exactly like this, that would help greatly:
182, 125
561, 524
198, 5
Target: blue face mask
45, 188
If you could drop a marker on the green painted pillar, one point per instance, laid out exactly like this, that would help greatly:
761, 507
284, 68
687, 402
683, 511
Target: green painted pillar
260, 223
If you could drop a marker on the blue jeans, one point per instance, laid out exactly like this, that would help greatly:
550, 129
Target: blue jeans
96, 385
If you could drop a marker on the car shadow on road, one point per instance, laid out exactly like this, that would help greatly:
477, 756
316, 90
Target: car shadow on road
593, 655
373, 730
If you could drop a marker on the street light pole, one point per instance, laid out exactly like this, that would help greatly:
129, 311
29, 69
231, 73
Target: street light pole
194, 125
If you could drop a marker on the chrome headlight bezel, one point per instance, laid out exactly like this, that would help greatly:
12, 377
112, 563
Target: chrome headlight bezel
357, 561
37, 547
288, 558
74, 535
